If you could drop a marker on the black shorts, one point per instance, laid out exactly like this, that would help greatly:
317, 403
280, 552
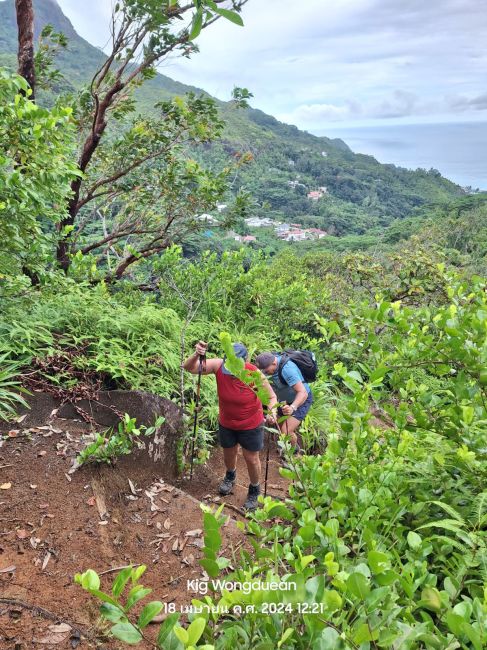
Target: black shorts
250, 439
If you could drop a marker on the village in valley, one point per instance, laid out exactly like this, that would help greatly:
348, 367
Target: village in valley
287, 232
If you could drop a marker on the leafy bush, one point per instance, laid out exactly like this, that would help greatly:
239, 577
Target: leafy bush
106, 448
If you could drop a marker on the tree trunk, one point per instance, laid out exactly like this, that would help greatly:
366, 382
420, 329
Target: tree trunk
25, 24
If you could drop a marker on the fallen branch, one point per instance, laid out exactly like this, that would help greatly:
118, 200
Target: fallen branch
119, 568
40, 611
237, 509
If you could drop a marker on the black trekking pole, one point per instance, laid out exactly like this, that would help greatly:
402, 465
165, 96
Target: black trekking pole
267, 456
196, 411
267, 462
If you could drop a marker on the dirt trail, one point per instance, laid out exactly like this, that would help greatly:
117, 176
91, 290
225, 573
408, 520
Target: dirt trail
54, 524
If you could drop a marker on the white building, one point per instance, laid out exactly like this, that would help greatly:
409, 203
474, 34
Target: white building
209, 219
296, 235
282, 228
259, 222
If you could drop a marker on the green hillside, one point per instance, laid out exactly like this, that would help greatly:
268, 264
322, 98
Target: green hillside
288, 163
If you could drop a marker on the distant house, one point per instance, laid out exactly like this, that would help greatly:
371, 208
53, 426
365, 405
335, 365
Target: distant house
221, 206
315, 195
324, 154
248, 238
317, 233
282, 228
295, 235
209, 219
259, 222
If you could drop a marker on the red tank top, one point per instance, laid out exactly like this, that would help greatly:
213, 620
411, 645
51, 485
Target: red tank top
240, 408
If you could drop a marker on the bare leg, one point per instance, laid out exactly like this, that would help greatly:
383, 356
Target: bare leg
290, 427
230, 457
252, 459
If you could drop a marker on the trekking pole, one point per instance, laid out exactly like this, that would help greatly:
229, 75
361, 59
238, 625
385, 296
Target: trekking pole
267, 462
196, 411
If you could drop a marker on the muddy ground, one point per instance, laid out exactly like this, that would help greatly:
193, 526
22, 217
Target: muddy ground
54, 523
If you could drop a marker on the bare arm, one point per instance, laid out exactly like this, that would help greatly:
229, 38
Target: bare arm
192, 363
272, 396
299, 399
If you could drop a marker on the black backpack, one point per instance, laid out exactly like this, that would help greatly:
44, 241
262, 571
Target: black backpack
304, 359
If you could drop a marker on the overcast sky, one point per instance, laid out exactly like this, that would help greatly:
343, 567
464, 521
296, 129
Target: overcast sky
337, 63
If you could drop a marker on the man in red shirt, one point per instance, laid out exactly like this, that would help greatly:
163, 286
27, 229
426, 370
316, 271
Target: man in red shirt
241, 417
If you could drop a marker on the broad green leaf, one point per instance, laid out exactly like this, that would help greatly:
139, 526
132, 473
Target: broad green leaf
182, 634
120, 581
196, 25
286, 635
211, 567
126, 632
414, 540
230, 15
358, 585
378, 562
135, 595
112, 613
89, 580
166, 628
147, 614
195, 630
431, 599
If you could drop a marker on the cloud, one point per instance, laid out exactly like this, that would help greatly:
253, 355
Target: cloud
345, 60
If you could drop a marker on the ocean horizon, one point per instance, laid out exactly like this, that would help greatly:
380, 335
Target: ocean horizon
458, 150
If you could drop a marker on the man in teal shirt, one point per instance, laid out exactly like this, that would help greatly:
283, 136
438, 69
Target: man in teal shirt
290, 388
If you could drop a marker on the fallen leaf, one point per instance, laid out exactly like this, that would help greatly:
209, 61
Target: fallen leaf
91, 501
33, 486
132, 488
55, 634
43, 506
8, 569
21, 533
68, 477
193, 533
46, 560
34, 541
167, 524
5, 486
189, 560
21, 418
13, 433
175, 545
42, 453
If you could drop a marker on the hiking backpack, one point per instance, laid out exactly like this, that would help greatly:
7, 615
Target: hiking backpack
304, 359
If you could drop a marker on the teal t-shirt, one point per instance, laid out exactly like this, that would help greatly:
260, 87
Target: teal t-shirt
291, 375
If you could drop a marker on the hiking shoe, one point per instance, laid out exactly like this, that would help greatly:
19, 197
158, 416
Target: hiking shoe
226, 486
252, 496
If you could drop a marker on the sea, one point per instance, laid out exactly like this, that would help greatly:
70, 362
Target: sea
458, 150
